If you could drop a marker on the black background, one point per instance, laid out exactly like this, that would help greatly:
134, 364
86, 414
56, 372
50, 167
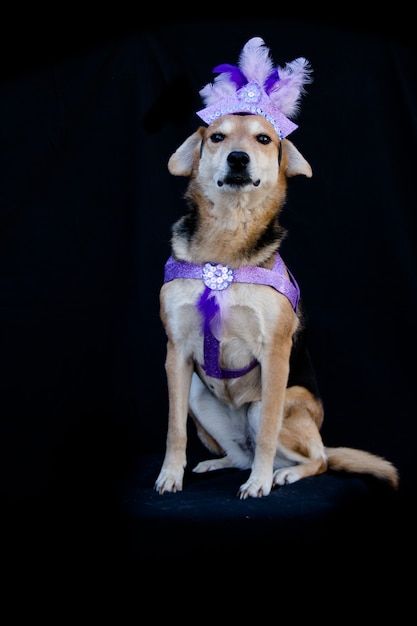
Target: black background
91, 110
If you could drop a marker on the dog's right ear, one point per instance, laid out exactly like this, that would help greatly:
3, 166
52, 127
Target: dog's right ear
182, 162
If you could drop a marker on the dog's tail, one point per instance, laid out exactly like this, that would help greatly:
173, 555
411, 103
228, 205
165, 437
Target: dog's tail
362, 462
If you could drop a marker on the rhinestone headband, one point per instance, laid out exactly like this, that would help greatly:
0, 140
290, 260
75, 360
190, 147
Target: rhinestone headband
256, 87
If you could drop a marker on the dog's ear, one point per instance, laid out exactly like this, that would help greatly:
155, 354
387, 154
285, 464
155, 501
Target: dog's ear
181, 163
295, 163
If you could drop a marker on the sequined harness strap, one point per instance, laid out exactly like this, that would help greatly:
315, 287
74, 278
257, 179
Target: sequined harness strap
217, 277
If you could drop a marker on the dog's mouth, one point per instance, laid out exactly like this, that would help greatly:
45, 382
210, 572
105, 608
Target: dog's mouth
238, 167
238, 180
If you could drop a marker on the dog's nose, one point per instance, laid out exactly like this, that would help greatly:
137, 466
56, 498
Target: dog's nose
238, 160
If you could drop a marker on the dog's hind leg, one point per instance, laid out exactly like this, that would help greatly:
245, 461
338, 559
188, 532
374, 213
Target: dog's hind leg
300, 452
224, 462
221, 428
288, 475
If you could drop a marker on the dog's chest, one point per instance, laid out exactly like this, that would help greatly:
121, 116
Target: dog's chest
245, 318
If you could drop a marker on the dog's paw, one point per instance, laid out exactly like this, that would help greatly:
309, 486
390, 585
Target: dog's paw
285, 476
212, 464
254, 488
169, 481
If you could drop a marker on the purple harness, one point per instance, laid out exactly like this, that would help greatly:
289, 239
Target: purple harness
217, 277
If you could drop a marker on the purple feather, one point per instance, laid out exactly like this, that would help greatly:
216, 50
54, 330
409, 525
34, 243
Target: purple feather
271, 81
236, 74
208, 307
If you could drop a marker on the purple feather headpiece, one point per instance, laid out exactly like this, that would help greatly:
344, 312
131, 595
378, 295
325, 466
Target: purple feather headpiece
256, 86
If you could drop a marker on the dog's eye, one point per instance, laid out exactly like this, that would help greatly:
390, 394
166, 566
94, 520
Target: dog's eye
217, 137
264, 139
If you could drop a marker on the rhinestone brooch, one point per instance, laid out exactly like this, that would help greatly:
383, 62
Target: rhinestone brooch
217, 276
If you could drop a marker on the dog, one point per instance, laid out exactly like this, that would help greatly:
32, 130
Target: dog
258, 407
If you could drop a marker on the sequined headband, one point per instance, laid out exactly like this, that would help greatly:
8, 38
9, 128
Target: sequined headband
255, 86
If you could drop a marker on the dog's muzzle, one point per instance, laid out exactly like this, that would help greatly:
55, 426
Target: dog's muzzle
238, 176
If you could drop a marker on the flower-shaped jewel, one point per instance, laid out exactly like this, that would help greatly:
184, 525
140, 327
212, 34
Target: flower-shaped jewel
217, 276
250, 93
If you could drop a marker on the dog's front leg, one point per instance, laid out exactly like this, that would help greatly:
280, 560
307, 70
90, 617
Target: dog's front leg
275, 372
179, 369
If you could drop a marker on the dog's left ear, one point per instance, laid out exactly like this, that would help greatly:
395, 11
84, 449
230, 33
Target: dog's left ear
181, 163
295, 163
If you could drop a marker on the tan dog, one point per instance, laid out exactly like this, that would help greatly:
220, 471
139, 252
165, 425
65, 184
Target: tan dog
264, 417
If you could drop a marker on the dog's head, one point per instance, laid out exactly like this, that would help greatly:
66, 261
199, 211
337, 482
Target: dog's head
238, 169
238, 154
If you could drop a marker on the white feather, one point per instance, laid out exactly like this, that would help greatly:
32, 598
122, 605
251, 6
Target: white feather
289, 89
254, 60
